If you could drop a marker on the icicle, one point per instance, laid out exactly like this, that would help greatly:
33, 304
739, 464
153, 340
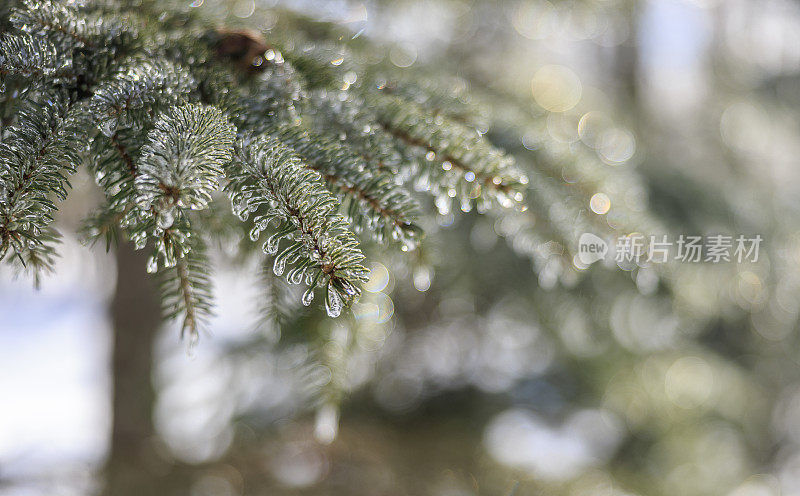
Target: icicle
152, 264
166, 218
191, 346
333, 303
279, 266
271, 246
308, 296
139, 240
255, 232
107, 126
349, 289
170, 260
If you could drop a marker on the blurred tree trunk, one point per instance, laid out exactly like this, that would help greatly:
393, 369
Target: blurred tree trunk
626, 64
133, 466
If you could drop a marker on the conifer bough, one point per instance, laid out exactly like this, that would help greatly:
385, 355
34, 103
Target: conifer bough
168, 114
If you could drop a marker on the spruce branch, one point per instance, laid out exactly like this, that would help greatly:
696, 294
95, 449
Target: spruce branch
131, 97
466, 165
179, 167
62, 23
102, 224
322, 65
452, 159
115, 169
372, 200
39, 150
51, 18
218, 86
88, 38
312, 128
186, 289
30, 56
182, 162
278, 91
39, 259
342, 113
268, 177
450, 98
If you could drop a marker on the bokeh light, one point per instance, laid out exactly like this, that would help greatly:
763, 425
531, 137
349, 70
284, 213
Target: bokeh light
556, 88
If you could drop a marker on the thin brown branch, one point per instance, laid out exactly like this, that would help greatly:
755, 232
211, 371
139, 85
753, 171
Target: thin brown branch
406, 138
388, 213
190, 320
125, 155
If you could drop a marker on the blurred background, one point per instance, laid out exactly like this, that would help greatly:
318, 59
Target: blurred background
489, 361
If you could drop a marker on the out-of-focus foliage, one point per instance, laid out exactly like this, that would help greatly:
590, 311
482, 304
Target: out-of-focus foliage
649, 379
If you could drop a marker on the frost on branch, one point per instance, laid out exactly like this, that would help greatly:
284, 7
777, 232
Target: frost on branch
35, 156
166, 115
181, 165
268, 179
29, 56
